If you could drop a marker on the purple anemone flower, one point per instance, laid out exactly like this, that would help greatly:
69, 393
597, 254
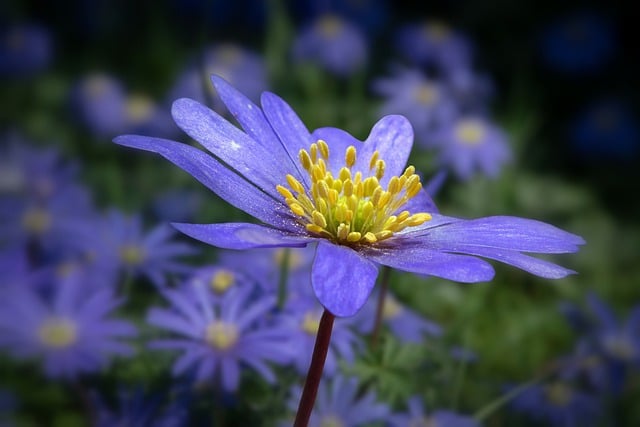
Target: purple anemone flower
357, 200
340, 403
219, 279
218, 337
332, 43
472, 144
558, 404
71, 330
152, 254
99, 101
416, 416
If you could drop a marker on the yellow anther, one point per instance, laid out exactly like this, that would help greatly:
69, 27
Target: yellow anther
354, 236
305, 159
403, 216
314, 152
384, 234
313, 228
385, 198
410, 170
341, 212
284, 192
323, 189
414, 189
318, 219
324, 149
322, 205
418, 219
380, 167
374, 159
367, 209
350, 156
393, 186
370, 237
390, 222
297, 209
370, 185
337, 185
344, 174
295, 184
347, 188
343, 231
333, 196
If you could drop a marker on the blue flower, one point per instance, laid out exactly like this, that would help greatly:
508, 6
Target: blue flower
436, 44
578, 43
99, 101
357, 200
558, 404
71, 332
25, 49
340, 403
219, 337
416, 416
333, 44
472, 144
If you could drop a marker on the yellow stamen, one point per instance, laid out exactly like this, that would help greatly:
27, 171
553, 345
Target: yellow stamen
221, 335
222, 280
58, 333
351, 208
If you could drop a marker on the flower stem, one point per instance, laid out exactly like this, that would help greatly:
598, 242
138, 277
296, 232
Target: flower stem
384, 286
315, 370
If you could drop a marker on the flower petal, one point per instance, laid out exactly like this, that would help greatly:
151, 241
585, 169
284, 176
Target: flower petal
423, 260
341, 278
500, 232
250, 159
222, 181
234, 235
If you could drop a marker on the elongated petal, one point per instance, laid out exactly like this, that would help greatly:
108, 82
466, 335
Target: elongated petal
252, 120
422, 260
288, 126
241, 235
502, 232
341, 278
242, 153
226, 184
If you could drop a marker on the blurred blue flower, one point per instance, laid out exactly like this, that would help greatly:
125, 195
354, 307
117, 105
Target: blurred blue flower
416, 416
218, 338
177, 205
333, 44
25, 49
151, 254
358, 224
135, 409
404, 323
606, 129
99, 101
579, 43
243, 68
434, 44
220, 279
427, 103
71, 330
341, 403
558, 404
302, 320
370, 15
470, 145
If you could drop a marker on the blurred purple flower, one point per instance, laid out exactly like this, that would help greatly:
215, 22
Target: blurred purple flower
340, 403
558, 404
416, 416
99, 101
370, 15
177, 203
472, 144
606, 129
244, 69
425, 102
404, 323
151, 254
581, 42
356, 207
333, 44
25, 49
70, 330
434, 44
135, 409
220, 279
218, 337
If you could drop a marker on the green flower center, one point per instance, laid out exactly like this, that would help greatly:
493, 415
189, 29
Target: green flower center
36, 221
131, 254
221, 335
350, 209
222, 280
470, 132
57, 333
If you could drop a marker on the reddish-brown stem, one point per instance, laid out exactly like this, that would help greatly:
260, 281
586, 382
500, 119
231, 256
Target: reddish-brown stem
315, 370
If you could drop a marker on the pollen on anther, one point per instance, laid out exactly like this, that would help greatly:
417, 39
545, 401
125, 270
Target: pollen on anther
350, 156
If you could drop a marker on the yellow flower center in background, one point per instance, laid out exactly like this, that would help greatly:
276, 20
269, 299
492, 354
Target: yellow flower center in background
558, 393
437, 31
221, 335
294, 260
427, 94
139, 108
331, 421
222, 280
131, 254
470, 132
36, 221
423, 422
57, 333
329, 26
311, 323
391, 308
349, 208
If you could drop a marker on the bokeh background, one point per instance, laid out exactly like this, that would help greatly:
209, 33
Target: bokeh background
548, 93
